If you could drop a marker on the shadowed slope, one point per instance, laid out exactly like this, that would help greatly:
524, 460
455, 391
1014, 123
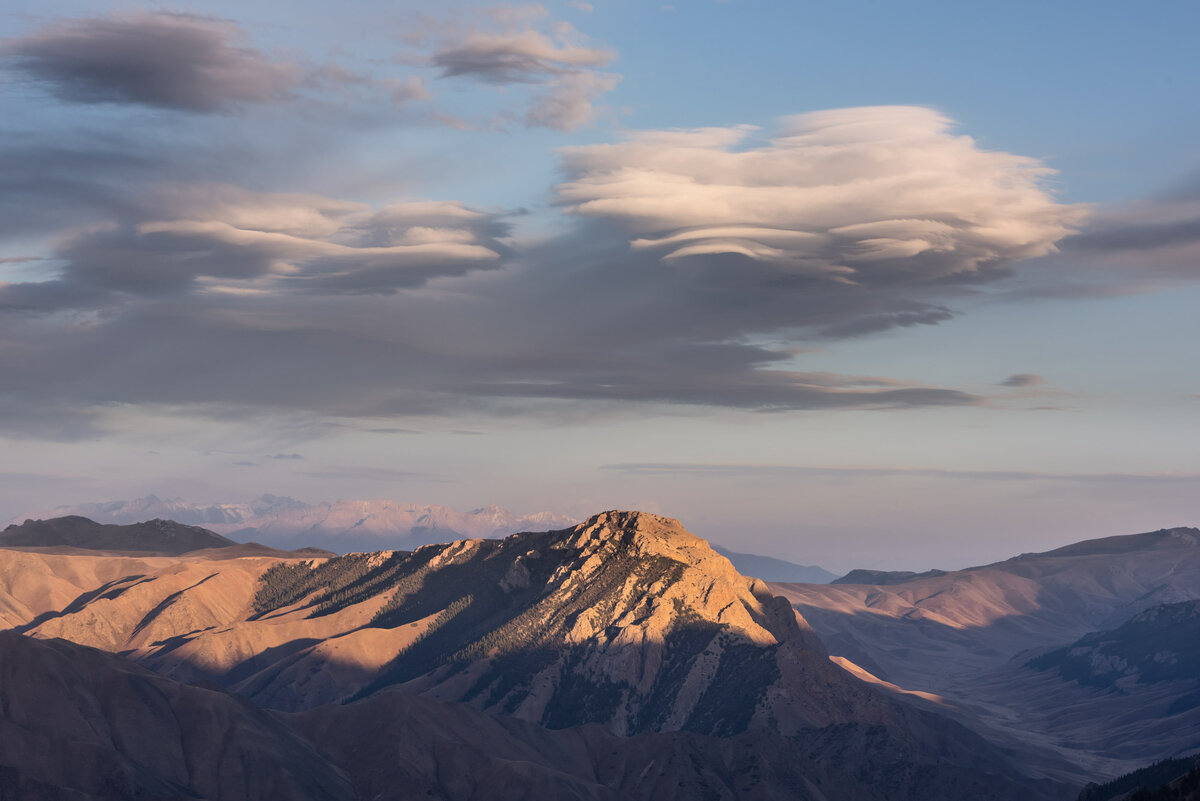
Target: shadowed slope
967, 635
397, 745
81, 724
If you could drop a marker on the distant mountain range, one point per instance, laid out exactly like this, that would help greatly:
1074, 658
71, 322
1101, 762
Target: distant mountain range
344, 525
371, 525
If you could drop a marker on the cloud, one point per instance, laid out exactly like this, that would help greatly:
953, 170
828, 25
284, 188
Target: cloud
567, 104
374, 474
221, 238
290, 456
518, 46
1142, 247
789, 472
163, 60
1142, 227
36, 416
526, 56
218, 301
1023, 380
871, 196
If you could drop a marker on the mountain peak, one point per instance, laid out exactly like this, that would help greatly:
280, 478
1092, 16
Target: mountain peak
617, 521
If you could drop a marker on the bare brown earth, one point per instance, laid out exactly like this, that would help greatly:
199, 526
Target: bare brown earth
965, 637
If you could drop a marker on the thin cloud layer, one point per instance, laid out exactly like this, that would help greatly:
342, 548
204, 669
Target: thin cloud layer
1023, 380
878, 195
171, 61
760, 471
526, 56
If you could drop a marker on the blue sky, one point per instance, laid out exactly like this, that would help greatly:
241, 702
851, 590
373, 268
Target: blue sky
733, 262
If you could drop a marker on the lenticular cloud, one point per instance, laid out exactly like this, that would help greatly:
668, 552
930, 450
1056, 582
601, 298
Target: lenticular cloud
861, 195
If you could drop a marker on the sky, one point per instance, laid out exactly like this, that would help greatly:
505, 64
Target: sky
861, 284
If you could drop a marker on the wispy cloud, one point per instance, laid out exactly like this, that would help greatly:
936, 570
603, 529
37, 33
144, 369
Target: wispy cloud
373, 474
725, 471
1023, 380
520, 46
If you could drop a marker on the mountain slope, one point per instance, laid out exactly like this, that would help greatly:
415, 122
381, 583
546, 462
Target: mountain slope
966, 636
80, 724
157, 536
84, 725
394, 739
1161, 644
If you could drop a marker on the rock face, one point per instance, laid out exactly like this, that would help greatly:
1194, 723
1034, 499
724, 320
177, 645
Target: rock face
626, 620
158, 536
968, 637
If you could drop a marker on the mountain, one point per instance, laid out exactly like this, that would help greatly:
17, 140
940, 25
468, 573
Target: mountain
161, 536
1161, 644
884, 577
967, 638
82, 725
769, 568
345, 525
525, 625
625, 642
